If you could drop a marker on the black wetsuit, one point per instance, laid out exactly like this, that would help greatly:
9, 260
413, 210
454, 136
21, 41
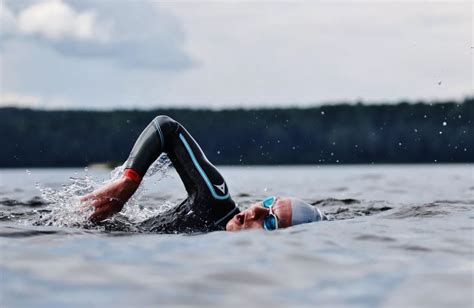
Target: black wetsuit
208, 206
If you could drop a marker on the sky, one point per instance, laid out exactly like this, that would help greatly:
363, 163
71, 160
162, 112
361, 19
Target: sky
86, 54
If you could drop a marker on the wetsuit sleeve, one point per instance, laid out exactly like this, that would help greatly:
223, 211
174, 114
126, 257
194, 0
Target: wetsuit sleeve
207, 189
147, 148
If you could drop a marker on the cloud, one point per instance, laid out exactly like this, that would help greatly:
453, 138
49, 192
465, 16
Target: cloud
10, 99
249, 54
131, 34
7, 19
54, 20
313, 52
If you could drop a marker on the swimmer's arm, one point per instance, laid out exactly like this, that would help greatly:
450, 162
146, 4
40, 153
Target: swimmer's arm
111, 198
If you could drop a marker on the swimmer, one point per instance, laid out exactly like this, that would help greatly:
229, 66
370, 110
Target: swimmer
209, 206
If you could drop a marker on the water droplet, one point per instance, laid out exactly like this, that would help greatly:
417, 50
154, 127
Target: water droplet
399, 144
332, 154
415, 130
424, 116
322, 112
440, 132
128, 121
444, 123
294, 148
218, 152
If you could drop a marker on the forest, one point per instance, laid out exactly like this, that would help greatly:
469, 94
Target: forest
406, 132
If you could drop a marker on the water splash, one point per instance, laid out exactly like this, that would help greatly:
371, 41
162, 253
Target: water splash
66, 209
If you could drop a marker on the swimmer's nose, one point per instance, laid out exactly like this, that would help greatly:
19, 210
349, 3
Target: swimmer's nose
260, 212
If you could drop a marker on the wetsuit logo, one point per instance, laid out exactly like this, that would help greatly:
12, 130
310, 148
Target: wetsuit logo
221, 187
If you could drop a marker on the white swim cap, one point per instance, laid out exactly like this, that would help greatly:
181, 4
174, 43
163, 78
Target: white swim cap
302, 212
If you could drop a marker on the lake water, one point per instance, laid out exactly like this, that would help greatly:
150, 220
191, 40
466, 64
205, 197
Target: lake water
399, 236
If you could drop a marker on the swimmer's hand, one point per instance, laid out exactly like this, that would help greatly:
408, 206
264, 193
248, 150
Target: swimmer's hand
111, 198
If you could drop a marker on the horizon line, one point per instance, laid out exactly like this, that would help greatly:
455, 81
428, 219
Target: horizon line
467, 98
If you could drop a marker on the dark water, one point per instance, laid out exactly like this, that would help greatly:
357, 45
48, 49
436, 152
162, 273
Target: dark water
400, 236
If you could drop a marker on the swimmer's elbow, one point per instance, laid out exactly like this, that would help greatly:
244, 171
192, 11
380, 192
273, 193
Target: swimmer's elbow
166, 122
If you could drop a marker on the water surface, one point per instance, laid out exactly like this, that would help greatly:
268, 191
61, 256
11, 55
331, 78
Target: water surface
400, 236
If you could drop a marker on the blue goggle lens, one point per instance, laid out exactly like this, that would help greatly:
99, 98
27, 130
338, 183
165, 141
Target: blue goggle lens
268, 202
270, 223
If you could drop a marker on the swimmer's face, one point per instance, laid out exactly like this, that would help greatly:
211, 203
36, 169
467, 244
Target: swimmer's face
252, 218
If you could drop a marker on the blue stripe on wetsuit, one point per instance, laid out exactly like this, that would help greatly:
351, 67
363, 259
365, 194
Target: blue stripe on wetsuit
201, 171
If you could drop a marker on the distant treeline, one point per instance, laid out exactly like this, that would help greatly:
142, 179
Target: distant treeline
402, 133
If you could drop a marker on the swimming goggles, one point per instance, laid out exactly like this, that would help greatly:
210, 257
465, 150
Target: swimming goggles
270, 222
